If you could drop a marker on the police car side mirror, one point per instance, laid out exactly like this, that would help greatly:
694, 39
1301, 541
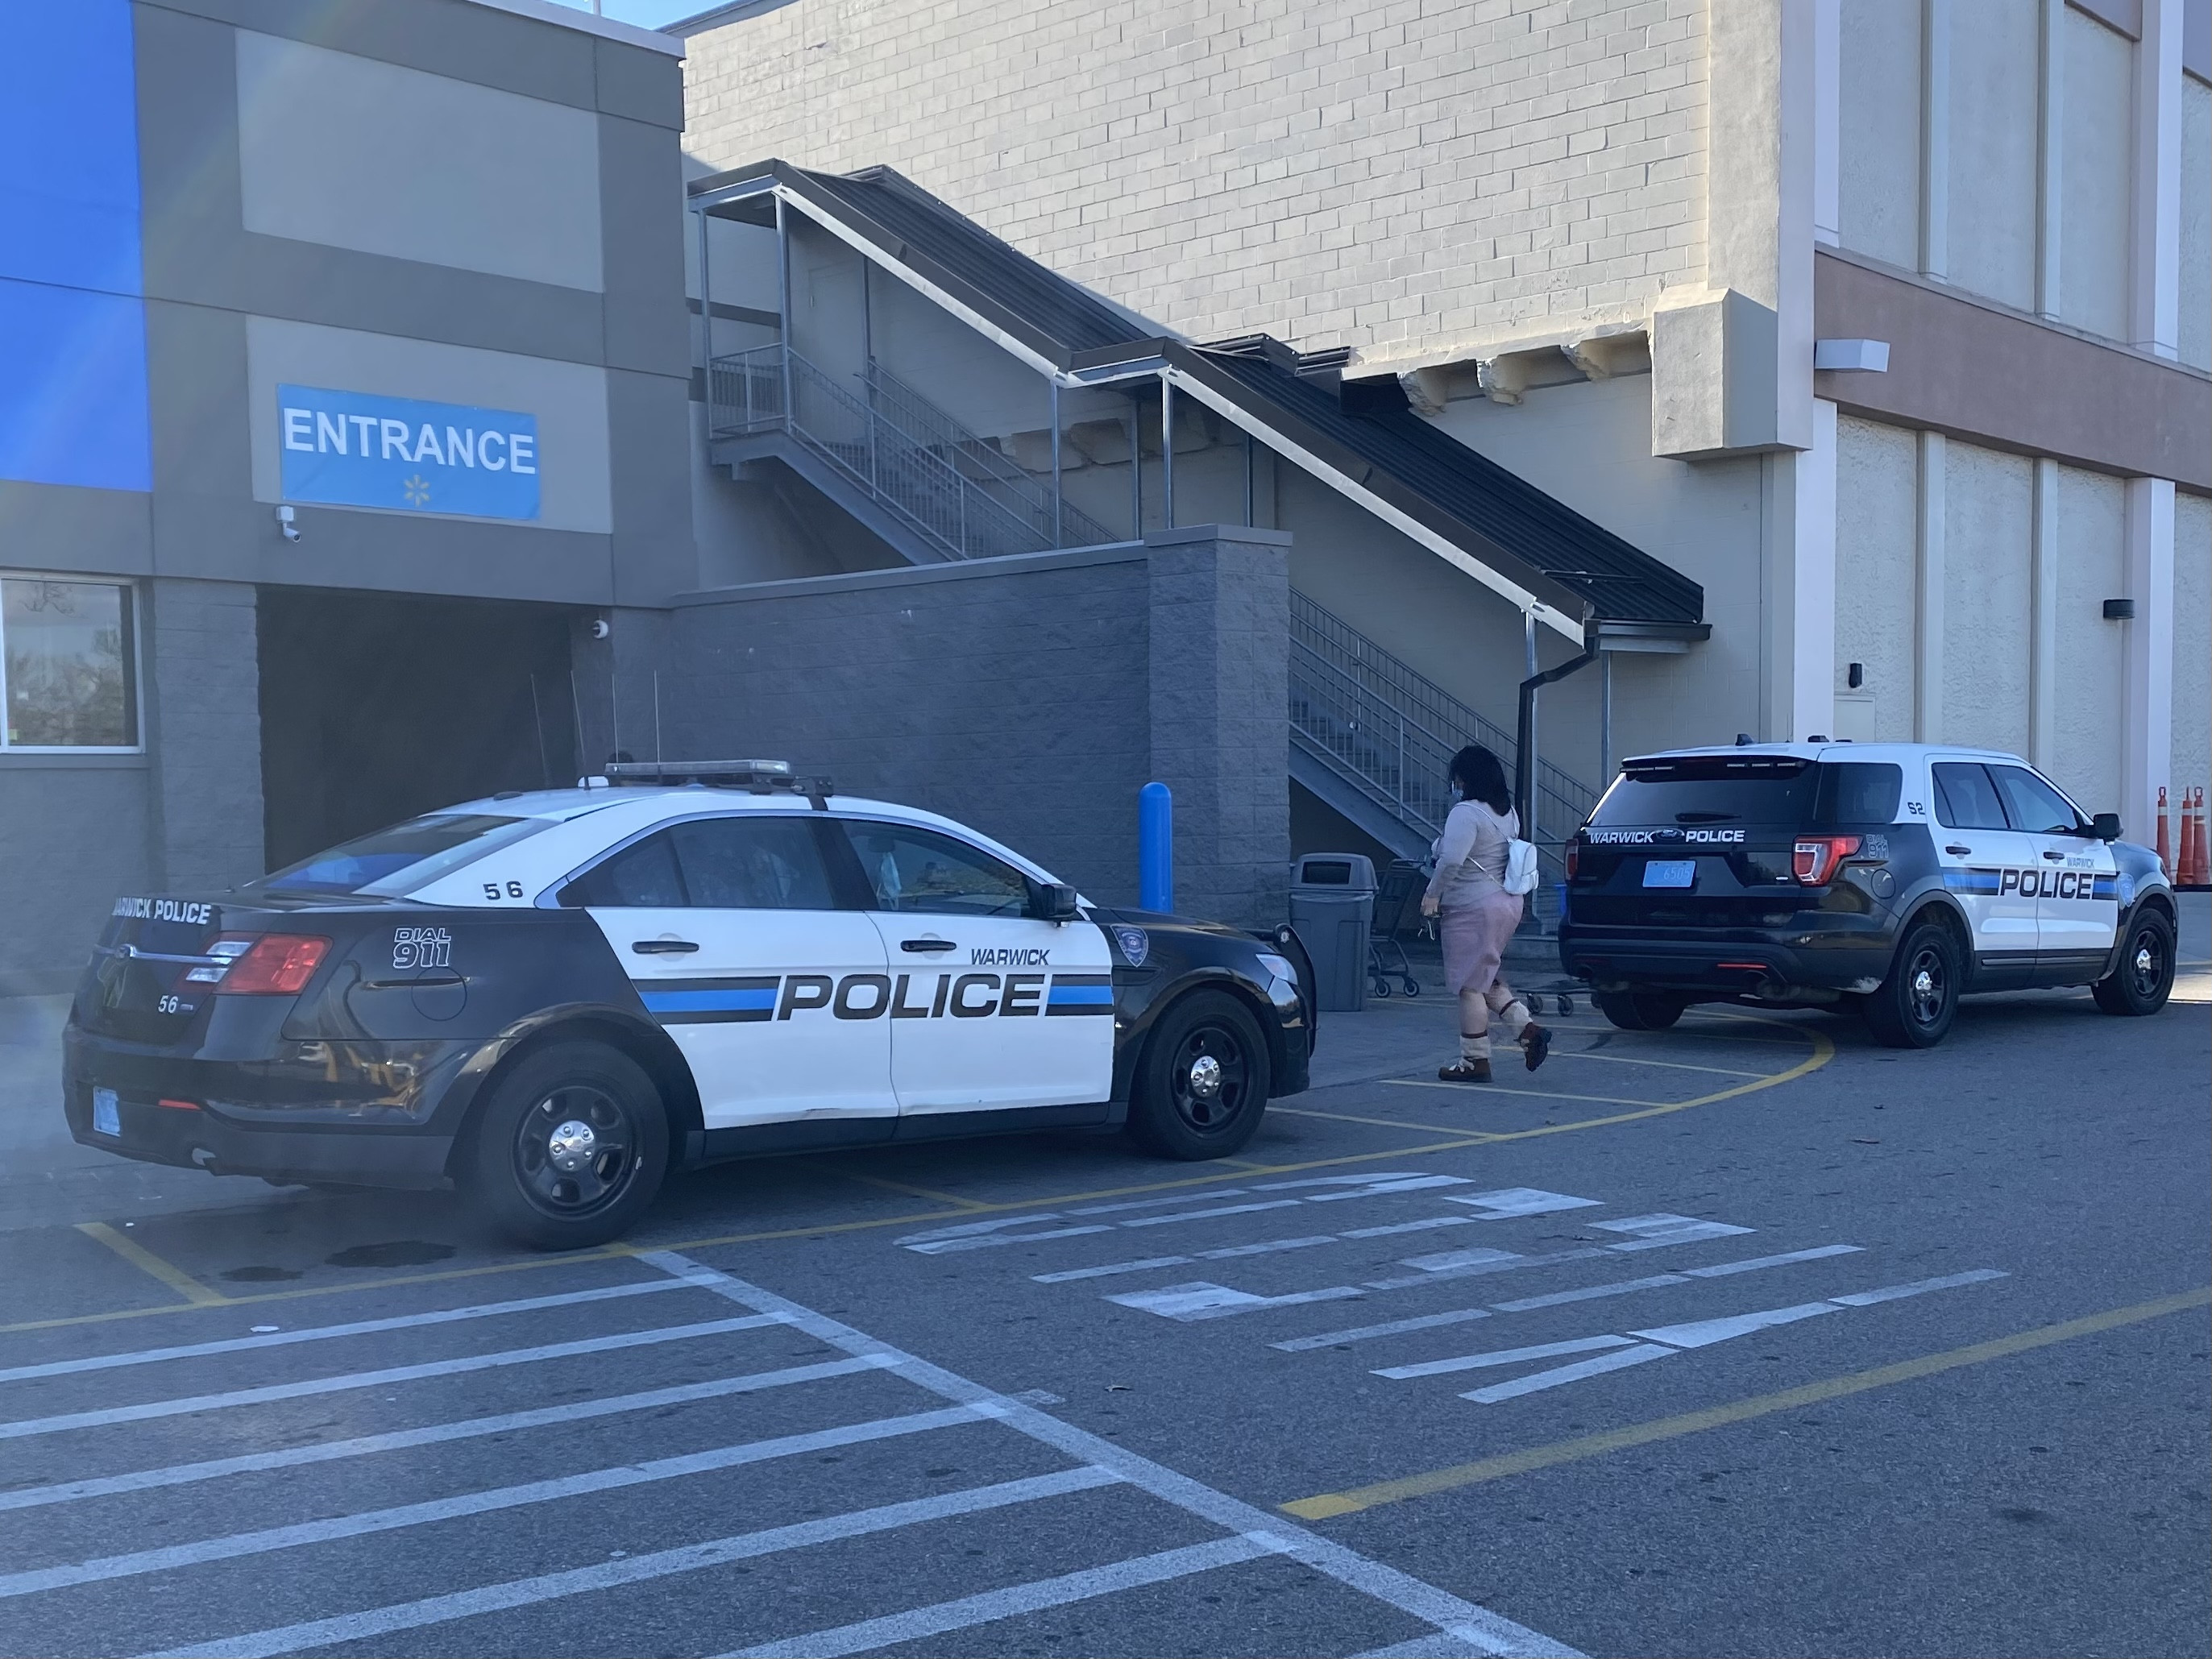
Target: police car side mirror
2105, 826
1053, 901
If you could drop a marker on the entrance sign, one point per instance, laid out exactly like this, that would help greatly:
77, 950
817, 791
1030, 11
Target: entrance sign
353, 449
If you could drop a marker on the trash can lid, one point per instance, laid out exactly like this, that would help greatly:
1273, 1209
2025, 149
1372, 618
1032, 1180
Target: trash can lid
1336, 871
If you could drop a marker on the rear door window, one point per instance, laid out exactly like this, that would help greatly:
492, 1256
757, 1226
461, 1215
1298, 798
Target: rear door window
1966, 798
758, 863
642, 876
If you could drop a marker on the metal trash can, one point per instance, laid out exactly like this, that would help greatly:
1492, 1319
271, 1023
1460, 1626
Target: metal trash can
1333, 907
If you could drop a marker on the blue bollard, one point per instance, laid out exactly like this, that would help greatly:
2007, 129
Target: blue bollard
1154, 848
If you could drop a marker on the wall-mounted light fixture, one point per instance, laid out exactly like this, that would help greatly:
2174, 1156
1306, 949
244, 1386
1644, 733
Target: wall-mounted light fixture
290, 530
2120, 610
1869, 356
1855, 676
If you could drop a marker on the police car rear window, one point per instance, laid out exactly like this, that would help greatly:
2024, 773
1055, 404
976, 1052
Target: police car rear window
404, 857
1782, 790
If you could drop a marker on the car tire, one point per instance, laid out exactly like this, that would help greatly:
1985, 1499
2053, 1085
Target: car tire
1183, 1108
2144, 979
1638, 1010
1913, 1008
570, 1148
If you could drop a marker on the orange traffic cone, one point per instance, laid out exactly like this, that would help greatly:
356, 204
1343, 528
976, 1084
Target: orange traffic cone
2185, 851
2165, 852
2198, 847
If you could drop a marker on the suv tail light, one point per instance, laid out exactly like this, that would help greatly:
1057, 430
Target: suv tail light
263, 964
1574, 858
1815, 859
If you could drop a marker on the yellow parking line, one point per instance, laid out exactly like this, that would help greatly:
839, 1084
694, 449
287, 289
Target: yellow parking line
1477, 1090
195, 1293
1670, 1065
1823, 1052
890, 1186
1325, 1505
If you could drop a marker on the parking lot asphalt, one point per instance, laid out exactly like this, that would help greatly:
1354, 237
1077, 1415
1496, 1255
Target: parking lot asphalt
1748, 1337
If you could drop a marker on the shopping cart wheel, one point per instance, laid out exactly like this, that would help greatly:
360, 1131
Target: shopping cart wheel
1413, 987
1382, 988
1566, 1004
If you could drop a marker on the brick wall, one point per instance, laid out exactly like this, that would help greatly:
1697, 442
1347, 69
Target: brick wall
1402, 177
1030, 697
204, 737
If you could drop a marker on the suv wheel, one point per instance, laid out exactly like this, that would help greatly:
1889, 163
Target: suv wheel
1202, 1084
1913, 1007
570, 1148
1640, 1011
2144, 979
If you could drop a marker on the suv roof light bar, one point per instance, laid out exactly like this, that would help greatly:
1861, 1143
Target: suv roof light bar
757, 777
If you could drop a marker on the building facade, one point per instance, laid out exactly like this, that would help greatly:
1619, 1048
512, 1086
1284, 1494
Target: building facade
343, 376
1610, 247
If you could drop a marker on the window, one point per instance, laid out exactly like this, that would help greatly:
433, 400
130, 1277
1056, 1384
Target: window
1695, 789
2034, 805
920, 871
1966, 798
642, 876
67, 664
402, 858
753, 864
1858, 792
719, 864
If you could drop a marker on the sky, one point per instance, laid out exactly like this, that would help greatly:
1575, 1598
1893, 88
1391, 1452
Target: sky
646, 13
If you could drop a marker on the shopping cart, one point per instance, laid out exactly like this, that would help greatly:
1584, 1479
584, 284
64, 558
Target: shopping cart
1397, 912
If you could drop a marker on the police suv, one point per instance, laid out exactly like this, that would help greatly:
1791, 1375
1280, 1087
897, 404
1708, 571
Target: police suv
551, 998
1894, 876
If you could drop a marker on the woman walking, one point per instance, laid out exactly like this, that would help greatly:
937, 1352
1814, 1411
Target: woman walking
1479, 916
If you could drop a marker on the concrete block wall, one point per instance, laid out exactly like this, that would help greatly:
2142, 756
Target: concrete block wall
203, 742
1030, 697
1390, 176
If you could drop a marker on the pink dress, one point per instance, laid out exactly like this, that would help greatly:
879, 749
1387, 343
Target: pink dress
1476, 914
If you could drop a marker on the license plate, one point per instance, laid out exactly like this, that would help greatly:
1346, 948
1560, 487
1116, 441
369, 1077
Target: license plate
1670, 872
106, 1116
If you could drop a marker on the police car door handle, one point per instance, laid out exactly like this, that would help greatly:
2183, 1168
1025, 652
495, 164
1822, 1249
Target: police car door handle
658, 947
2056, 858
1957, 851
924, 946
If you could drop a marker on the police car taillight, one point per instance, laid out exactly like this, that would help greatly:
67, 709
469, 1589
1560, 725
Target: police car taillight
1574, 858
262, 964
1815, 860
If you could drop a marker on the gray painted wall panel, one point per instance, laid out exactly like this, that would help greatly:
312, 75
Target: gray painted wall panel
201, 667
61, 527
352, 152
73, 835
642, 86
196, 378
641, 178
649, 428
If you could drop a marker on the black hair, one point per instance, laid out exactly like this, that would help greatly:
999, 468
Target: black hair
1478, 774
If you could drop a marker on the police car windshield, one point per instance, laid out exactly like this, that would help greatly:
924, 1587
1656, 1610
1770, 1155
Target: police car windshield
1762, 789
403, 857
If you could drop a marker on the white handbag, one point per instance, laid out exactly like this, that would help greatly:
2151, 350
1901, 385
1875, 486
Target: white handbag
1520, 871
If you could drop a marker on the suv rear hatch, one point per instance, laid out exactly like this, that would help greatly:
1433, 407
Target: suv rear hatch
1707, 841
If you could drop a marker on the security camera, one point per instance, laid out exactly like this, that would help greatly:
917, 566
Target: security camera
599, 629
284, 523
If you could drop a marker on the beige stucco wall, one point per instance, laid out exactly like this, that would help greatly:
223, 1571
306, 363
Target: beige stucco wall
1386, 176
1988, 567
2097, 159
1878, 128
2089, 710
1877, 497
1996, 55
2196, 333
2192, 660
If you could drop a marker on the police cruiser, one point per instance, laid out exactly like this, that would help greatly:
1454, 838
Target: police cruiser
1894, 876
551, 998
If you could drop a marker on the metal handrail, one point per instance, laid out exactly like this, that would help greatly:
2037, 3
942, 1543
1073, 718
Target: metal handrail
911, 457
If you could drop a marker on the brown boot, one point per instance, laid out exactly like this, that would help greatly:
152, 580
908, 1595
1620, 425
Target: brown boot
1465, 1071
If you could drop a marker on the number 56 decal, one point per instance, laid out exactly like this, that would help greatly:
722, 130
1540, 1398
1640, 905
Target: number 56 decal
492, 889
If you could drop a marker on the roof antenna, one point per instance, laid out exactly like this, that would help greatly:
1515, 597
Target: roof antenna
657, 755
538, 724
576, 702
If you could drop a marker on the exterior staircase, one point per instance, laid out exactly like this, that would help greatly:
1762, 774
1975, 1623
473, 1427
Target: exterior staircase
905, 468
1373, 739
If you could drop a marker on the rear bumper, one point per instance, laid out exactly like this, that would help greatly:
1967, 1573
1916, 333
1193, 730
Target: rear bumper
402, 1144
1770, 965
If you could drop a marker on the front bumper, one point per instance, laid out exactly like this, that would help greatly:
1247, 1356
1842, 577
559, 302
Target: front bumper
1838, 955
236, 1118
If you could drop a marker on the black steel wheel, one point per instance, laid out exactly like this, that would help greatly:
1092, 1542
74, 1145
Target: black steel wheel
2144, 978
1202, 1084
1913, 1008
571, 1148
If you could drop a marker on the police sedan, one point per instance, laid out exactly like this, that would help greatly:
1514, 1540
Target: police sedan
551, 998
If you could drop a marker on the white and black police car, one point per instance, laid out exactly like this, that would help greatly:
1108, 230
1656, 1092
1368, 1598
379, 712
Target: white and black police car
549, 998
1894, 876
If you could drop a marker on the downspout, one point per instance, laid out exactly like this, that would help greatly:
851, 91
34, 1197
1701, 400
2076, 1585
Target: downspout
1524, 758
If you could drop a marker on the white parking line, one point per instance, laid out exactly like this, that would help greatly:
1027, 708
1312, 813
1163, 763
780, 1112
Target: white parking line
1395, 1327
1894, 1292
970, 1611
108, 1568
1670, 1065
325, 1333
1461, 1620
1491, 1395
1475, 1362
1590, 1293
179, 1474
639, 1569
1752, 1264
206, 1402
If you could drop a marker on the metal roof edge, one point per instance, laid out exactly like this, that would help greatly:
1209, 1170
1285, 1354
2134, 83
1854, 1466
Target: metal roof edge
607, 28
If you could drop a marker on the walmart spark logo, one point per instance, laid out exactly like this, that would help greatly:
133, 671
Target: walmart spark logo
416, 489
